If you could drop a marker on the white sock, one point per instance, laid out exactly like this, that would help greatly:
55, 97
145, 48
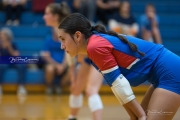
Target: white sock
71, 116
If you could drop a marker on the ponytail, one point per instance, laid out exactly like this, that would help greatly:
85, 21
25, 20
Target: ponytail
101, 29
65, 10
62, 10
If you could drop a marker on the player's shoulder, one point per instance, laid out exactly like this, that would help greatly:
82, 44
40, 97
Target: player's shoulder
96, 41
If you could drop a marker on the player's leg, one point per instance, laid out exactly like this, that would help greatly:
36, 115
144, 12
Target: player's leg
21, 69
163, 105
93, 86
49, 76
147, 97
3, 68
165, 99
76, 98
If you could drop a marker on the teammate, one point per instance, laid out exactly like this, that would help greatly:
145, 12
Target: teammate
56, 65
124, 61
89, 78
86, 75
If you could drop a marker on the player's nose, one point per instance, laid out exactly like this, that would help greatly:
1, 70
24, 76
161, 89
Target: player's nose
62, 46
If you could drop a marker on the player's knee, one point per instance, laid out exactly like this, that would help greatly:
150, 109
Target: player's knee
95, 103
49, 68
90, 92
75, 101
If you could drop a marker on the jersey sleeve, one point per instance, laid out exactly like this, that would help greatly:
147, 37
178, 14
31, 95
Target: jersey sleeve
102, 57
47, 42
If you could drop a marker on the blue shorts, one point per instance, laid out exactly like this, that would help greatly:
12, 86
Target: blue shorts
165, 72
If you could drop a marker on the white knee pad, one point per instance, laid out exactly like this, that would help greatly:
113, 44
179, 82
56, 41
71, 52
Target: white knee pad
75, 101
122, 90
95, 103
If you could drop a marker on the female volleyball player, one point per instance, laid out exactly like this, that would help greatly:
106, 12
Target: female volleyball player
86, 75
124, 61
56, 65
89, 78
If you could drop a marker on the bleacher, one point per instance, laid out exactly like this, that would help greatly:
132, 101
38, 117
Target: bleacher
30, 34
29, 38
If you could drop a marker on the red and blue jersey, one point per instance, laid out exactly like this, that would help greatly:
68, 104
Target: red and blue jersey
113, 57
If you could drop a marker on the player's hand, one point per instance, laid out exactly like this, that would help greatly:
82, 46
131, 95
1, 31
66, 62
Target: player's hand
142, 118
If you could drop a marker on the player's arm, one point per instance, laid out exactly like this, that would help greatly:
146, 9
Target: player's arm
47, 56
102, 5
71, 64
155, 31
105, 61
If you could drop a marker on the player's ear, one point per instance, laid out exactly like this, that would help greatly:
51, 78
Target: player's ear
78, 35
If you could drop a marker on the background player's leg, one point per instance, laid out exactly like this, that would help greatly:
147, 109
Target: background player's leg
163, 105
93, 86
78, 86
49, 76
147, 98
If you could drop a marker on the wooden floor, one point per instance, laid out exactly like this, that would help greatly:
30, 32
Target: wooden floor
55, 107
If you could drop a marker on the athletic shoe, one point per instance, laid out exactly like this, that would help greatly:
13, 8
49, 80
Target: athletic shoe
58, 90
49, 90
21, 91
72, 119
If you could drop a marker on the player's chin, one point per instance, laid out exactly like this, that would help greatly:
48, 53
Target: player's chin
48, 24
72, 54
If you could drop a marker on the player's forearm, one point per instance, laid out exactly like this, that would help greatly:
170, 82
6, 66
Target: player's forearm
72, 73
101, 4
130, 112
49, 60
155, 32
123, 91
156, 35
13, 52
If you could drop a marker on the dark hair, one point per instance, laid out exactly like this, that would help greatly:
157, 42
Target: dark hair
62, 9
77, 22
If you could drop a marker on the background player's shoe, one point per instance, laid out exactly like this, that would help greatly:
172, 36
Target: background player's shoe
72, 119
49, 90
58, 90
21, 91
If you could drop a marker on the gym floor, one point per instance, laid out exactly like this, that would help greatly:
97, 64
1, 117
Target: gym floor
55, 107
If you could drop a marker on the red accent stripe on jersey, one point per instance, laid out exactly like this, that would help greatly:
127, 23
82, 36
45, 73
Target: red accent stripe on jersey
100, 52
122, 59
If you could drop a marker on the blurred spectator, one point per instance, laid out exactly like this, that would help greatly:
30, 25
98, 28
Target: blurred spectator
8, 48
54, 56
124, 22
86, 7
149, 25
105, 9
13, 8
